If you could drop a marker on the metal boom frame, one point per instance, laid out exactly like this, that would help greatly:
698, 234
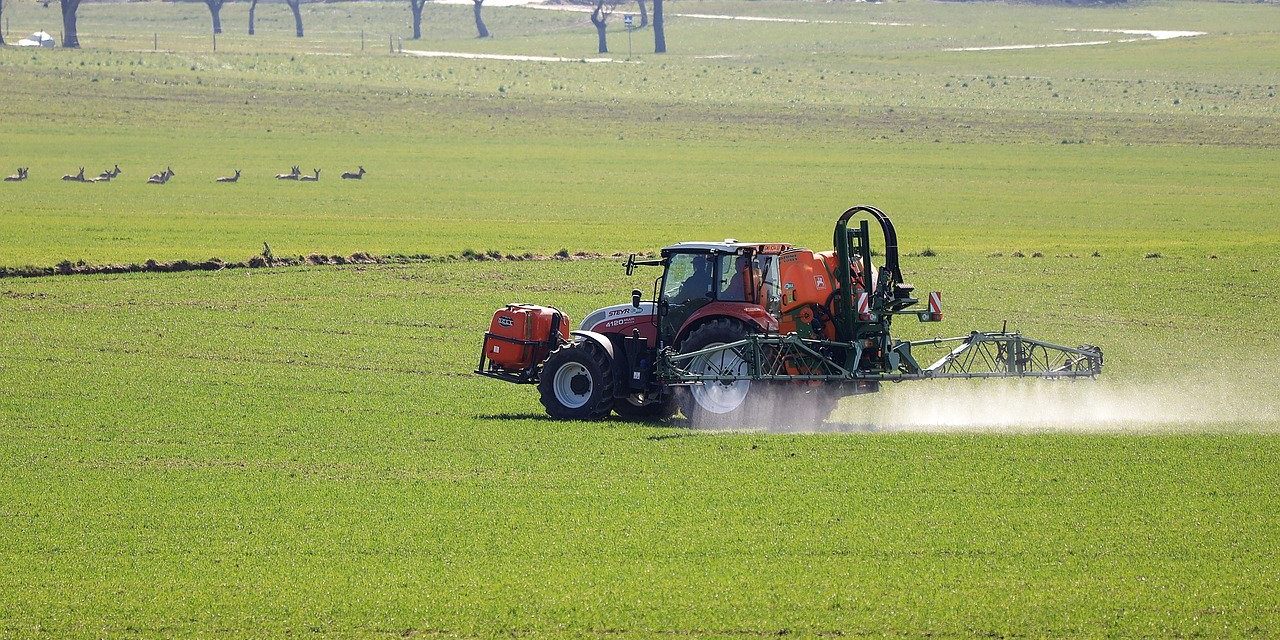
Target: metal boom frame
790, 358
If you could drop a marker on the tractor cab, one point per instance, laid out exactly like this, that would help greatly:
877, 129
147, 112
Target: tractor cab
701, 280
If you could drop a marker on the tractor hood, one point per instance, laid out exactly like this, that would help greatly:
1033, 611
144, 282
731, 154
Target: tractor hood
600, 319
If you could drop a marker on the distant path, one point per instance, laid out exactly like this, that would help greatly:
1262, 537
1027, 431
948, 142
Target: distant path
527, 4
500, 56
1150, 34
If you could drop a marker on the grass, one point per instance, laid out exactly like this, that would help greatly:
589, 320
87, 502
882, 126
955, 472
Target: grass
270, 452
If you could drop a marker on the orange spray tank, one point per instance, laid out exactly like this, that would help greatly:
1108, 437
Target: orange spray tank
809, 283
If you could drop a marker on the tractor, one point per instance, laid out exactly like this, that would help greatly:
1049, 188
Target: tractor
732, 326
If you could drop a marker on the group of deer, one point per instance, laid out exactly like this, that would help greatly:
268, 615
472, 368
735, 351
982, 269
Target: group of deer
105, 176
164, 176
296, 174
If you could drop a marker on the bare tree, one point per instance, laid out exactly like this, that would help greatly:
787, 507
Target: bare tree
253, 7
416, 7
295, 6
659, 36
644, 14
480, 28
215, 11
69, 38
599, 18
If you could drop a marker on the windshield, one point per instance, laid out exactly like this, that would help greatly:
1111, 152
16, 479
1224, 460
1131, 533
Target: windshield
688, 278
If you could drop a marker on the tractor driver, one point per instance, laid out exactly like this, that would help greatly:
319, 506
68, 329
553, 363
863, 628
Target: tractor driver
688, 279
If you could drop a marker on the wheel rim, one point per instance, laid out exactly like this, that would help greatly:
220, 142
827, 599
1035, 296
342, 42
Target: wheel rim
573, 385
720, 397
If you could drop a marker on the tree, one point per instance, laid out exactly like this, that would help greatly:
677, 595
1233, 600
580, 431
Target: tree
69, 38
599, 18
644, 14
294, 5
480, 28
416, 7
253, 7
215, 11
659, 36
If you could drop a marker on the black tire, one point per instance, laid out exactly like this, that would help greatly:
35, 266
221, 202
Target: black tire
694, 401
652, 412
576, 382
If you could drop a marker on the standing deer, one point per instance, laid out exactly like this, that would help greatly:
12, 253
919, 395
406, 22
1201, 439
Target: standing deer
292, 175
19, 177
353, 175
315, 178
234, 178
79, 177
162, 177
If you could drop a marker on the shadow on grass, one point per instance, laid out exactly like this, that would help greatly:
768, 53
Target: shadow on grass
541, 417
677, 427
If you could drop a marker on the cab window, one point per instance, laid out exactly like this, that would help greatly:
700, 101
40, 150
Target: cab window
733, 281
688, 278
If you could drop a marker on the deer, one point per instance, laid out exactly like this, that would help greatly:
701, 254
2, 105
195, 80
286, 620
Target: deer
315, 178
162, 177
79, 177
18, 177
109, 173
353, 175
292, 175
235, 178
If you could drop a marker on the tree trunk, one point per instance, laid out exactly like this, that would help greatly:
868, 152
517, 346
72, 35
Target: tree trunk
644, 15
215, 10
253, 7
69, 38
659, 36
599, 18
416, 7
295, 6
480, 28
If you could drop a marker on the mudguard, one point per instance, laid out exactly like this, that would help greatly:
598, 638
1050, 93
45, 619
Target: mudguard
600, 339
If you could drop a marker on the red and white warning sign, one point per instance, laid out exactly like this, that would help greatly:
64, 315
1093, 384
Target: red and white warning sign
935, 304
864, 306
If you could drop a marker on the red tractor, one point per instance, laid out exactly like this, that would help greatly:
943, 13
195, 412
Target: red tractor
734, 322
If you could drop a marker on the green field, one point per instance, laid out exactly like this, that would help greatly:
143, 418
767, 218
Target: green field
304, 452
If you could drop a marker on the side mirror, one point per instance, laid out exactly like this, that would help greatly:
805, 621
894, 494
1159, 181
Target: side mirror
631, 264
635, 298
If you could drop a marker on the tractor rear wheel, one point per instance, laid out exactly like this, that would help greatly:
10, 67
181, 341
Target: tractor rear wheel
716, 403
576, 382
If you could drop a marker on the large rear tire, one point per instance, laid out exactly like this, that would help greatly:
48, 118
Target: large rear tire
716, 404
576, 382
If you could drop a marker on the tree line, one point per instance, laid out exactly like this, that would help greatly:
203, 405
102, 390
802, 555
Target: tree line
600, 13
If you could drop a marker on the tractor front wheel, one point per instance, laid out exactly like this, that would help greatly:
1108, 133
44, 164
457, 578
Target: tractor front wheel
576, 382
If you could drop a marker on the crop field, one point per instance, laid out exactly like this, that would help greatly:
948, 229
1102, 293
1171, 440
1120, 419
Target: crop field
303, 451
